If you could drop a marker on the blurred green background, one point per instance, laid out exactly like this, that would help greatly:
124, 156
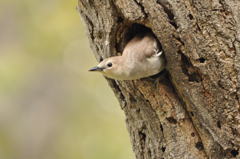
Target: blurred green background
51, 107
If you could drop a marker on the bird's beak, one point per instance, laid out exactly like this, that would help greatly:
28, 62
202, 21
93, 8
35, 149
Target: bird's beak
96, 68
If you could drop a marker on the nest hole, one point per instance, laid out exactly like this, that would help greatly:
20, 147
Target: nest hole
136, 29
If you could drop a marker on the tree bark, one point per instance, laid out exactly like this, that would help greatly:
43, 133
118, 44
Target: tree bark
192, 110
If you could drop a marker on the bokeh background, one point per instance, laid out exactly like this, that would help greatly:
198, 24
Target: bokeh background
51, 107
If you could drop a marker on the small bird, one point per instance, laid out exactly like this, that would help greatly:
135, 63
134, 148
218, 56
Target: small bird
140, 58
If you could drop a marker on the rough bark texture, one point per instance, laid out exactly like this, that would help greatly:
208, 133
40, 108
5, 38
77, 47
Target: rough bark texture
192, 110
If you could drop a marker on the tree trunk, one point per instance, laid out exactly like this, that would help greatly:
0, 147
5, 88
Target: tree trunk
192, 110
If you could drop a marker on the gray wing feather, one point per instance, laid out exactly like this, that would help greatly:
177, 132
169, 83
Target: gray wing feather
142, 47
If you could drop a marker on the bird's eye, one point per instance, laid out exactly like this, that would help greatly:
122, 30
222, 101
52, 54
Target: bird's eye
109, 64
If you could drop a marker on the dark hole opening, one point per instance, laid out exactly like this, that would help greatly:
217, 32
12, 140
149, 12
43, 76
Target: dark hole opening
193, 134
171, 120
199, 146
190, 16
163, 149
192, 114
142, 135
161, 127
234, 153
219, 124
201, 60
119, 20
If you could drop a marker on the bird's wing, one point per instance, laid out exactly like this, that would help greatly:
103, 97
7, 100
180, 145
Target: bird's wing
142, 47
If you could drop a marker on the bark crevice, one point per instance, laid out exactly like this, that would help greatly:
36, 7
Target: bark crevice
166, 8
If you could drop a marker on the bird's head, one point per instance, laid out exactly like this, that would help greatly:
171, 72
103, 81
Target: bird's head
110, 67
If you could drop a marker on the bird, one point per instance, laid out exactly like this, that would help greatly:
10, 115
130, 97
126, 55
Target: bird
141, 58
